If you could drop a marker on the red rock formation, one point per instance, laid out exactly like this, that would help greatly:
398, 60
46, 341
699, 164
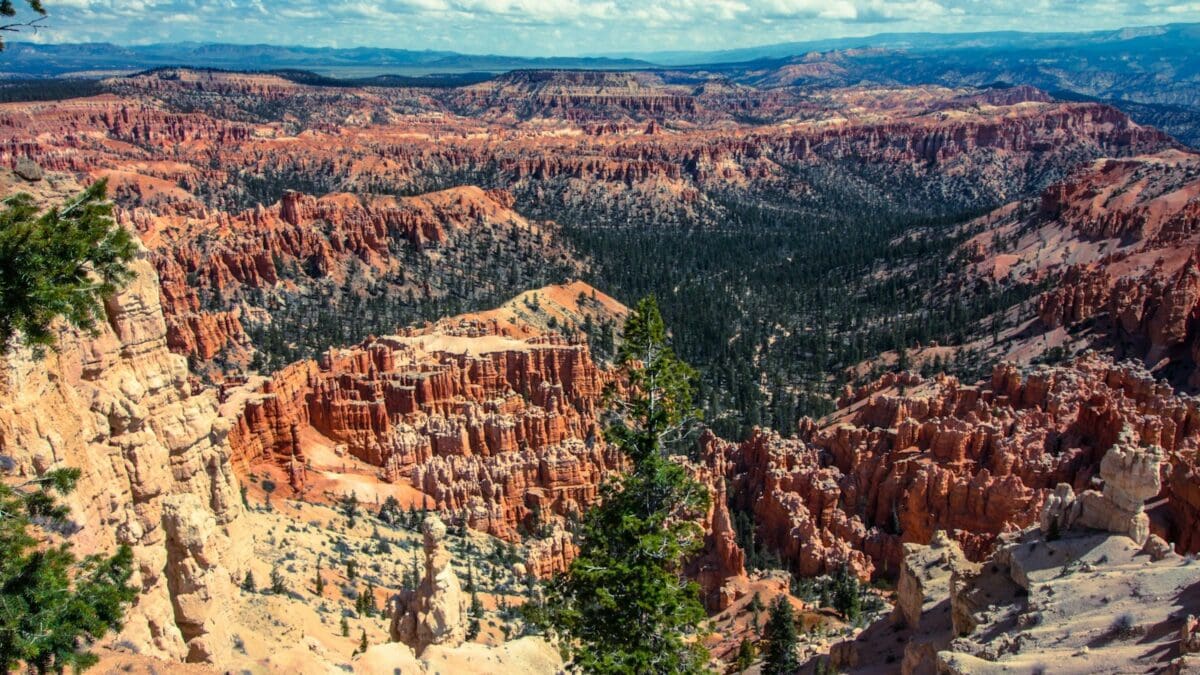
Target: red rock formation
1121, 239
296, 241
722, 562
976, 461
494, 427
658, 146
268, 416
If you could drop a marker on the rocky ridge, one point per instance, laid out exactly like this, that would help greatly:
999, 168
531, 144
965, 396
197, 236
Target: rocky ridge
1089, 590
155, 459
1119, 239
489, 419
911, 456
651, 144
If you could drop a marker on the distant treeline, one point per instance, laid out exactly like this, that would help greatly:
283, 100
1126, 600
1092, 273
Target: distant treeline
308, 77
48, 89
444, 81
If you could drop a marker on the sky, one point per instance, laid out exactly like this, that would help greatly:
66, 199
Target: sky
572, 27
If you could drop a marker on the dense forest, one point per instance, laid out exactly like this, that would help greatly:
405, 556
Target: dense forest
776, 297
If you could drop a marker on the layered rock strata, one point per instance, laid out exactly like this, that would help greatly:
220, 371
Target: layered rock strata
495, 429
894, 467
1121, 240
156, 467
1073, 595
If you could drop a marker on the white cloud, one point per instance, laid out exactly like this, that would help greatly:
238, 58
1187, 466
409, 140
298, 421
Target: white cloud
576, 26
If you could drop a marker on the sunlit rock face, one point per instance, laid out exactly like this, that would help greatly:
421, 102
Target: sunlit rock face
155, 462
894, 467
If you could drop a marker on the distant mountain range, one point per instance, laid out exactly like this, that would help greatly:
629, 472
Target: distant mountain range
1151, 72
29, 59
1172, 41
1179, 36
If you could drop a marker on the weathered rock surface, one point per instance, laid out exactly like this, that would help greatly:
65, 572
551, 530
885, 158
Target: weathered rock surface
155, 461
1131, 475
1120, 238
722, 563
1080, 593
892, 468
434, 613
921, 623
496, 428
205, 187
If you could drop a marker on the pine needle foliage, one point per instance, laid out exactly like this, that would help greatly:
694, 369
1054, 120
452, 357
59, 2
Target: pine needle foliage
52, 605
624, 605
61, 262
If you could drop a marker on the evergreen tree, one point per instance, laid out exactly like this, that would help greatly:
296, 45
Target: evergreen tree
350, 508
756, 607
846, 596
248, 582
277, 586
60, 263
362, 642
624, 600
475, 612
9, 10
745, 656
780, 655
390, 512
345, 626
53, 606
318, 582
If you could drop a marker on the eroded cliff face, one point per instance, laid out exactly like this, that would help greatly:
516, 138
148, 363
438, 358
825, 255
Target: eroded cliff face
155, 461
598, 148
1120, 240
1089, 590
217, 268
909, 456
486, 417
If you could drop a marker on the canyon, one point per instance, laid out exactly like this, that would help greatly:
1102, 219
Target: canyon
395, 298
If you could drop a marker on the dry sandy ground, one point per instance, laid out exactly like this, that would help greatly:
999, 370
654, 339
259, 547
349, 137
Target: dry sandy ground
299, 631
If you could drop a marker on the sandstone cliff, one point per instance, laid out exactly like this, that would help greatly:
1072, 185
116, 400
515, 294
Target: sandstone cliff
155, 461
1079, 594
1119, 239
488, 418
893, 467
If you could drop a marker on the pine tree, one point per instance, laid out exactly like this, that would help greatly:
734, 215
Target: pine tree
780, 634
8, 10
624, 600
368, 596
248, 582
756, 606
60, 263
345, 626
362, 643
746, 654
350, 508
53, 606
390, 512
277, 586
318, 582
847, 594
475, 612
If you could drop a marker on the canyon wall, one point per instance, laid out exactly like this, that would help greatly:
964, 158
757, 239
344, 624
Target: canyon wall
156, 467
502, 430
910, 456
1120, 241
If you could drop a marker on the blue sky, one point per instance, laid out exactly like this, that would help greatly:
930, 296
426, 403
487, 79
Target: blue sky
568, 27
